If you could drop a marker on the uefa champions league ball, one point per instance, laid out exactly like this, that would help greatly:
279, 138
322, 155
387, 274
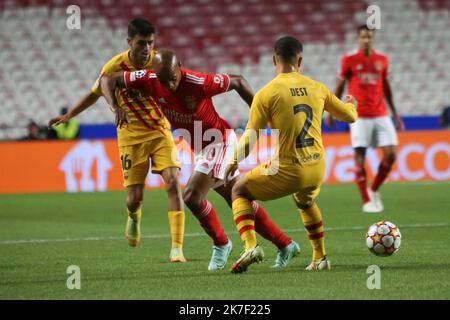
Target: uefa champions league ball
383, 238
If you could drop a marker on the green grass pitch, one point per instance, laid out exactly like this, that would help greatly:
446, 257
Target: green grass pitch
42, 234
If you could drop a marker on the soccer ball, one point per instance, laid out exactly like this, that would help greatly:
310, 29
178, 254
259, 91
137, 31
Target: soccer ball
383, 238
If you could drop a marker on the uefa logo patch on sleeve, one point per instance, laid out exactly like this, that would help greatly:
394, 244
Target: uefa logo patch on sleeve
137, 74
140, 73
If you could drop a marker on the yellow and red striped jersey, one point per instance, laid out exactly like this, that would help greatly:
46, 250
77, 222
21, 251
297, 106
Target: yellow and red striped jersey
146, 118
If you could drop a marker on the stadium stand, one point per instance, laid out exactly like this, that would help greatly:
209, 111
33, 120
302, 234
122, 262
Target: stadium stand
46, 66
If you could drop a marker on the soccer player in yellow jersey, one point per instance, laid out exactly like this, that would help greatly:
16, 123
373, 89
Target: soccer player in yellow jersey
145, 135
293, 105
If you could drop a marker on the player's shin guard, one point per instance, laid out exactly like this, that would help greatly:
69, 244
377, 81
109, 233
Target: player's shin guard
207, 217
312, 220
361, 182
176, 223
383, 171
244, 217
267, 229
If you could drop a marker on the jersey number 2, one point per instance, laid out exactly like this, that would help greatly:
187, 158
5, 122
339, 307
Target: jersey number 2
301, 141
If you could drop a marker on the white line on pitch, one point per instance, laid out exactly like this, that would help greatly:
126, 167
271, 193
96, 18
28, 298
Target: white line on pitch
201, 234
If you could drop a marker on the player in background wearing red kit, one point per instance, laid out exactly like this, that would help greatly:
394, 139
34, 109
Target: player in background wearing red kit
185, 98
367, 72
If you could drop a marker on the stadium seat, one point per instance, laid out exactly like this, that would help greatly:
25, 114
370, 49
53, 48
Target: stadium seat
235, 38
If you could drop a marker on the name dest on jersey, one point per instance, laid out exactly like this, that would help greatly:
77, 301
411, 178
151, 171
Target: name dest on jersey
298, 92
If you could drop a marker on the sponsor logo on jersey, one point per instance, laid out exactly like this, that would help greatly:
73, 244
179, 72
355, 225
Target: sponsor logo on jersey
191, 102
311, 157
178, 117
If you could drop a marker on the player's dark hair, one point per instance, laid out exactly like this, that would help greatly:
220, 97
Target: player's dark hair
364, 27
288, 48
140, 27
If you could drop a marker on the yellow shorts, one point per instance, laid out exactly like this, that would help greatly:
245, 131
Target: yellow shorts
269, 182
135, 158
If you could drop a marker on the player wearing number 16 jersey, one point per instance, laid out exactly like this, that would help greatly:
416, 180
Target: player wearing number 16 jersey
292, 105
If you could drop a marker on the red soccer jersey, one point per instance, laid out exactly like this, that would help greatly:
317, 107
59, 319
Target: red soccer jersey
366, 76
191, 102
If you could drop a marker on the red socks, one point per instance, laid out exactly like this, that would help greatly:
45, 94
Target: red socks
361, 179
383, 172
207, 217
361, 182
267, 229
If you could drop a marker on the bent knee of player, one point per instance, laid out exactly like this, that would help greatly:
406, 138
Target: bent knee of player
240, 191
193, 199
172, 184
134, 201
390, 157
301, 203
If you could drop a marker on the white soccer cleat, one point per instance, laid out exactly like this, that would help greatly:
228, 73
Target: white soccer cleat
284, 255
220, 256
371, 207
376, 198
322, 264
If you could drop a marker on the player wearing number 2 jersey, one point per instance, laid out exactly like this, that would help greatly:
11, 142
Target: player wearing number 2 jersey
292, 105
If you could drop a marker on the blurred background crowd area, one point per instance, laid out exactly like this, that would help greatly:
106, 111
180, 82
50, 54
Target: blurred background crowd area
46, 66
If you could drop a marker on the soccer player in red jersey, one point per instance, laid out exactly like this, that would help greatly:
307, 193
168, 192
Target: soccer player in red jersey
185, 97
367, 73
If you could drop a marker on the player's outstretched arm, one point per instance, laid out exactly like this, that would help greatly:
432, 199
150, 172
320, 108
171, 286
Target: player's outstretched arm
342, 110
108, 84
340, 86
390, 100
242, 87
84, 103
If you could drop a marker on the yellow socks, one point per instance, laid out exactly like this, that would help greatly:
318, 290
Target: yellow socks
136, 216
133, 229
244, 217
312, 219
176, 223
